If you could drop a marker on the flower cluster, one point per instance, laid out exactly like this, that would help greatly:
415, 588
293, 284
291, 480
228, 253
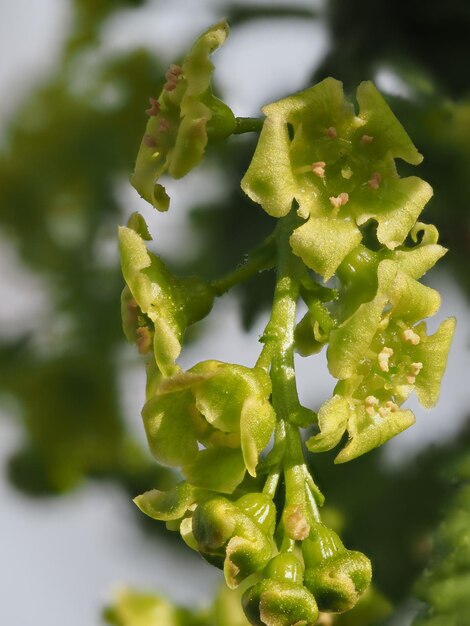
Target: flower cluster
232, 431
338, 169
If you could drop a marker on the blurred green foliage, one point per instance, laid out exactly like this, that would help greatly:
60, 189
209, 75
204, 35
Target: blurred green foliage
67, 147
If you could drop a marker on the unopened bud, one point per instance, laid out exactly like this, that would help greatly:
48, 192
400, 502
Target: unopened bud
338, 582
276, 603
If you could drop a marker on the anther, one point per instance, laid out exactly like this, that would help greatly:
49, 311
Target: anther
366, 139
164, 126
384, 357
331, 132
415, 369
391, 406
375, 180
410, 336
144, 339
339, 201
149, 141
171, 75
154, 108
318, 168
371, 404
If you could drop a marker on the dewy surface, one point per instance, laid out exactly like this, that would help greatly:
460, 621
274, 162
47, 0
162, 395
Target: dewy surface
328, 176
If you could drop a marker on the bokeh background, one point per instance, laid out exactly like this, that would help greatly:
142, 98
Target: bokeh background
75, 77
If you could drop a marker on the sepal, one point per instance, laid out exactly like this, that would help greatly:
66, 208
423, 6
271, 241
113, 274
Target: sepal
167, 505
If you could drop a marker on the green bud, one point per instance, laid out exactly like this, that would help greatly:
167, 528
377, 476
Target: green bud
261, 509
285, 567
275, 603
231, 539
214, 523
339, 581
321, 544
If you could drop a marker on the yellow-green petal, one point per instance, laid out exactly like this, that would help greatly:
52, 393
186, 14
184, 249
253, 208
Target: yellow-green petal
322, 243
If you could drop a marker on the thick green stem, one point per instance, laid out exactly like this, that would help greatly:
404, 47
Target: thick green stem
248, 125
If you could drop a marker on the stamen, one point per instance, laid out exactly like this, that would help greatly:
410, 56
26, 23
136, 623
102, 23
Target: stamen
384, 357
171, 75
391, 406
366, 139
318, 168
410, 336
339, 201
375, 180
371, 403
154, 108
384, 411
144, 339
331, 132
164, 126
149, 141
415, 369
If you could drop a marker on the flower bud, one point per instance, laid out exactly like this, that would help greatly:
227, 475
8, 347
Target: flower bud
261, 509
214, 523
338, 581
285, 567
275, 603
230, 539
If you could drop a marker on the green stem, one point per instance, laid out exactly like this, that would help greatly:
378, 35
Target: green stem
248, 125
262, 258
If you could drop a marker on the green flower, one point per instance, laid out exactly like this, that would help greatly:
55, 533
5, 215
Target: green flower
220, 407
182, 120
157, 306
339, 168
280, 599
381, 353
236, 536
337, 577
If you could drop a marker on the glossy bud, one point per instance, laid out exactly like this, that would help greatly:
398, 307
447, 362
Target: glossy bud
285, 567
261, 509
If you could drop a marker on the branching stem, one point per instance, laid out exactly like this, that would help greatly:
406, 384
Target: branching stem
248, 125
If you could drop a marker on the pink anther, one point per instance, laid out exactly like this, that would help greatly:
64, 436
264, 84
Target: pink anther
154, 108
375, 180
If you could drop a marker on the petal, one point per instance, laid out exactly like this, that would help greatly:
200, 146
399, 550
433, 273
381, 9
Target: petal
418, 260
217, 469
257, 423
381, 124
169, 428
166, 505
433, 354
411, 301
332, 419
269, 180
352, 339
396, 206
375, 434
323, 242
